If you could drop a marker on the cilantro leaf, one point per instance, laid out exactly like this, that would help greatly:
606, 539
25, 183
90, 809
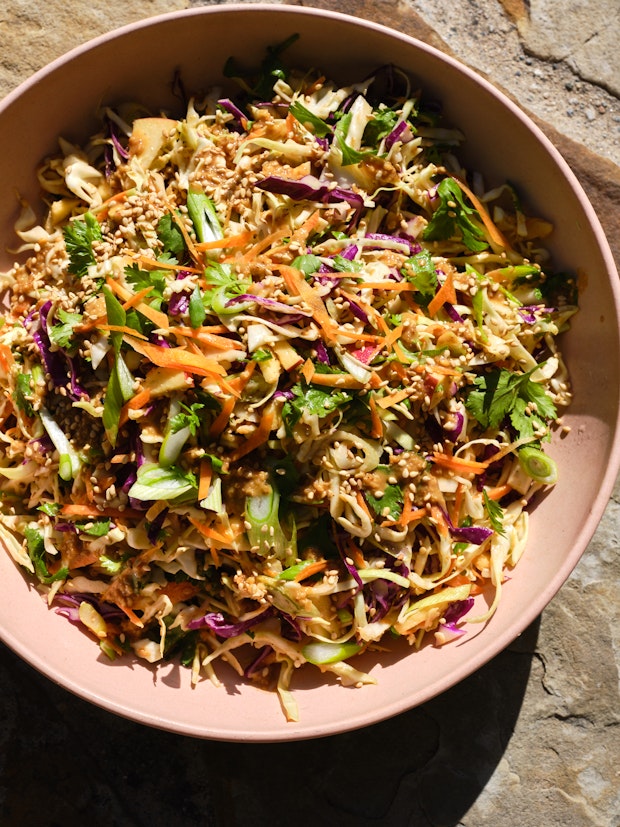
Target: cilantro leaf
79, 236
500, 393
187, 418
61, 332
349, 155
392, 498
23, 393
308, 118
312, 400
452, 216
382, 123
35, 546
420, 271
197, 312
94, 528
495, 512
171, 237
141, 279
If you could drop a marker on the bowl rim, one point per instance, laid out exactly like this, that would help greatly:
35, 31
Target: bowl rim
498, 642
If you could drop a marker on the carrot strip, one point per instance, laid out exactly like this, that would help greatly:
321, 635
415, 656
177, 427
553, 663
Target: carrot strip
211, 533
410, 514
392, 337
455, 511
309, 570
238, 382
307, 370
446, 293
498, 491
393, 398
120, 328
264, 244
257, 437
141, 399
157, 317
376, 430
132, 616
219, 342
355, 553
137, 298
204, 482
459, 465
219, 423
153, 264
103, 209
88, 510
239, 240
297, 285
494, 234
399, 286
337, 380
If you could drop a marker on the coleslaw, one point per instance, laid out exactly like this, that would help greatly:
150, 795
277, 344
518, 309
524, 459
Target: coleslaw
277, 378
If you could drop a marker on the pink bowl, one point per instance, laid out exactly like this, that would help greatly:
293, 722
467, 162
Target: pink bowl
138, 62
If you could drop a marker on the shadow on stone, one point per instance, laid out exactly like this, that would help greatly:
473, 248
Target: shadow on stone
424, 768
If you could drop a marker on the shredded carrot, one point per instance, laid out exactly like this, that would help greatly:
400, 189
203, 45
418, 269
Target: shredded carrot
239, 240
494, 234
136, 298
307, 370
131, 615
219, 342
238, 382
219, 423
257, 437
204, 482
459, 465
376, 430
121, 328
362, 504
455, 511
309, 570
181, 359
392, 337
212, 534
399, 286
410, 514
158, 318
6, 358
353, 551
154, 264
445, 294
393, 398
264, 244
498, 491
297, 285
88, 510
337, 380
141, 399
103, 209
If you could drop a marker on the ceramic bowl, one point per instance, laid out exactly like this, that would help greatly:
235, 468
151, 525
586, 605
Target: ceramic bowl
138, 62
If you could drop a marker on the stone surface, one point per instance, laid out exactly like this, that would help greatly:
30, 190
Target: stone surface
530, 739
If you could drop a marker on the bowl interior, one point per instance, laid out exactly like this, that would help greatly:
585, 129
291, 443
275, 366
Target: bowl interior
139, 62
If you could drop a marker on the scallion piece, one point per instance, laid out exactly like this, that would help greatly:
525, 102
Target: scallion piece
538, 465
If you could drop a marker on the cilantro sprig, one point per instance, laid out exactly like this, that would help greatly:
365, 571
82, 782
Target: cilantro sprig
501, 393
453, 217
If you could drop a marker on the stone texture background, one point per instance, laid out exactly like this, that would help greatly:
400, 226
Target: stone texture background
531, 739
